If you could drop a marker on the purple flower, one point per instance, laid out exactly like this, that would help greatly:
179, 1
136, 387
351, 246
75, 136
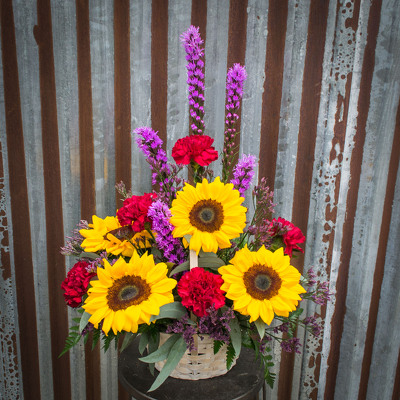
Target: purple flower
216, 325
291, 345
170, 247
183, 327
313, 326
164, 174
192, 42
72, 246
322, 294
234, 92
243, 173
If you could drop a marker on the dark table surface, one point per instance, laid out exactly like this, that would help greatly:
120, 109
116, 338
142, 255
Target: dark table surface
243, 381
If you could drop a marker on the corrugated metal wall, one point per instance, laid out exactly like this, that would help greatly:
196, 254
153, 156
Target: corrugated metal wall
321, 109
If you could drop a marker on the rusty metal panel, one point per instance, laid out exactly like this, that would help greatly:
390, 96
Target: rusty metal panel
320, 109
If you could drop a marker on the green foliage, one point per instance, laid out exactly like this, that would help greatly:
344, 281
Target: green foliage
174, 356
95, 337
230, 356
73, 338
173, 310
217, 345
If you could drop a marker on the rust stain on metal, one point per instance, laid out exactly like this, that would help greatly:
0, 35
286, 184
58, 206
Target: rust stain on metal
19, 206
380, 259
271, 99
355, 170
159, 72
122, 94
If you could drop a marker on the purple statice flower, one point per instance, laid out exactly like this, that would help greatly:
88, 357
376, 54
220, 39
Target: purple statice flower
282, 328
169, 246
291, 345
216, 325
311, 275
312, 324
322, 294
121, 189
164, 175
243, 173
192, 42
264, 199
264, 343
234, 92
183, 327
72, 245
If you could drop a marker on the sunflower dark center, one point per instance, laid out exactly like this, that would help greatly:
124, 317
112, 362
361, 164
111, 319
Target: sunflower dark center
207, 215
262, 282
127, 291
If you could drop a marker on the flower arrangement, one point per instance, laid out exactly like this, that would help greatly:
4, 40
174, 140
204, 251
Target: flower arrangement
186, 260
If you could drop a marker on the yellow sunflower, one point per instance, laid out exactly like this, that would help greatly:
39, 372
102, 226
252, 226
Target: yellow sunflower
262, 283
128, 294
103, 236
211, 213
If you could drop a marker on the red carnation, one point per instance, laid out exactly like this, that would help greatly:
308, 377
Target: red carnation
197, 148
290, 233
76, 283
200, 290
134, 211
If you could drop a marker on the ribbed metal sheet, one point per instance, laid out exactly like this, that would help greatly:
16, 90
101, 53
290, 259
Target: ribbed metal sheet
320, 110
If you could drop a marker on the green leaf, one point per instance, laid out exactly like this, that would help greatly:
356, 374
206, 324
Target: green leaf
260, 325
211, 262
84, 321
128, 338
188, 237
92, 256
143, 341
154, 342
269, 377
180, 268
172, 310
162, 352
174, 356
236, 335
217, 345
230, 356
95, 337
72, 339
207, 254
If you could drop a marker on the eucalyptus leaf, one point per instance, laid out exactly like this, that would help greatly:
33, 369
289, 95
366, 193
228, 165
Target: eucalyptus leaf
206, 254
175, 355
211, 262
236, 335
260, 325
143, 341
162, 352
84, 321
180, 268
172, 310
92, 256
129, 336
154, 342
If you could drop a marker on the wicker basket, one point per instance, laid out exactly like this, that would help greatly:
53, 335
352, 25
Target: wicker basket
201, 363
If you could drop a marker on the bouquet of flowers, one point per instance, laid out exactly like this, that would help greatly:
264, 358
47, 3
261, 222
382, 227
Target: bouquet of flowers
186, 260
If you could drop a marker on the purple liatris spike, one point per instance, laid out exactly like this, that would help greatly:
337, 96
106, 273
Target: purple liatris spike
243, 173
234, 93
192, 42
164, 175
170, 247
